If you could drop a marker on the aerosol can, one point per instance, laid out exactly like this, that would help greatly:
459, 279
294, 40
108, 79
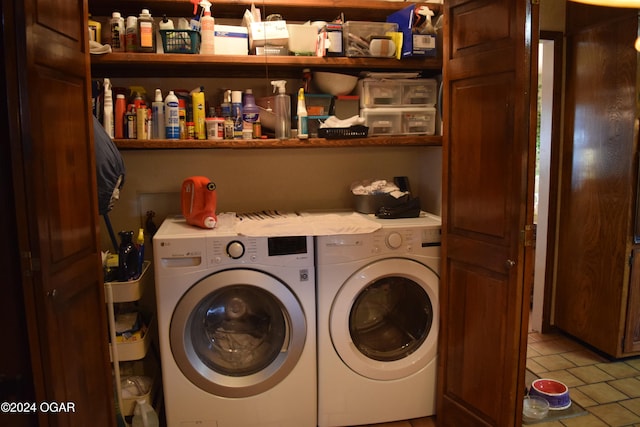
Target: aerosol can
282, 109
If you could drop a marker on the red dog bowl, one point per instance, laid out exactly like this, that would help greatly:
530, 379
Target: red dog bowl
554, 392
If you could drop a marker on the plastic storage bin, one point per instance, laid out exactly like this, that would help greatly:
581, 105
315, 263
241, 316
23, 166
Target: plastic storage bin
400, 121
382, 121
419, 121
358, 35
397, 92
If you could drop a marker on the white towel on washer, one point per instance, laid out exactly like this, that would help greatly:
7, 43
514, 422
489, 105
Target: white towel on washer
311, 225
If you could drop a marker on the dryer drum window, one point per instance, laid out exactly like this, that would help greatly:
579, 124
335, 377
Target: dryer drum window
390, 319
238, 330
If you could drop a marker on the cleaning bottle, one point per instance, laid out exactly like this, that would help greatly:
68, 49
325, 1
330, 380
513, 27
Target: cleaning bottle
282, 110
131, 34
303, 130
172, 116
157, 114
250, 115
236, 112
144, 415
225, 110
206, 29
140, 247
127, 257
95, 30
116, 25
146, 32
121, 108
107, 114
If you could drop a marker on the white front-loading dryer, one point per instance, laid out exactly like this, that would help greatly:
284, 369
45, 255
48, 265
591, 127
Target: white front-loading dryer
237, 328
377, 302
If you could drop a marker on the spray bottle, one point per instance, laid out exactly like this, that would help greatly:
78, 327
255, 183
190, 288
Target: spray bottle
282, 110
303, 131
107, 117
206, 29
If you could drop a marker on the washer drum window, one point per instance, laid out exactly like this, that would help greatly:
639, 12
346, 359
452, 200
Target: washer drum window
237, 333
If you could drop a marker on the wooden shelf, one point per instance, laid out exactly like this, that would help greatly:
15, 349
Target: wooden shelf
147, 65
196, 65
300, 10
416, 140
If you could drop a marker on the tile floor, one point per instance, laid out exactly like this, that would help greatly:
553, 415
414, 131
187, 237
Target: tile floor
608, 390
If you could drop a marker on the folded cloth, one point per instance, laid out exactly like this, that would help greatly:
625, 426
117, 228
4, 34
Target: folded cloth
96, 48
334, 122
307, 225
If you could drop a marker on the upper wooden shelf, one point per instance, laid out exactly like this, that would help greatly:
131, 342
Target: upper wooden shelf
193, 65
298, 10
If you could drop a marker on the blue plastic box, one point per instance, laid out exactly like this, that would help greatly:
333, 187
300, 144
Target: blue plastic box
413, 44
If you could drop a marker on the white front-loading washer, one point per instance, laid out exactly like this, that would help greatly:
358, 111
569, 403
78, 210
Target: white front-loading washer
377, 302
237, 327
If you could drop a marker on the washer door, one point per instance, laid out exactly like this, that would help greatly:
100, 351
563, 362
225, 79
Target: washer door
237, 333
384, 319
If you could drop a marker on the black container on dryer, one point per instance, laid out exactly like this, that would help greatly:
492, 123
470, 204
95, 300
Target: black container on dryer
146, 32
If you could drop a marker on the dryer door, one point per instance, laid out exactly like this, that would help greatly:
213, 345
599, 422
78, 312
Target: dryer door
237, 333
384, 319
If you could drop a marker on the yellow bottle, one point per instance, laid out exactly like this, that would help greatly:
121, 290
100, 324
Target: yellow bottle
95, 31
197, 100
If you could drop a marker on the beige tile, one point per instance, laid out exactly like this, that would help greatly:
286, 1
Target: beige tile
591, 374
629, 386
615, 415
583, 357
555, 346
602, 393
537, 337
535, 367
554, 362
619, 369
565, 377
547, 424
584, 421
632, 404
531, 352
635, 362
581, 399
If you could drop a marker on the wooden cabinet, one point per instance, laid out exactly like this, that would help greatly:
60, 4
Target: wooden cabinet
597, 279
194, 65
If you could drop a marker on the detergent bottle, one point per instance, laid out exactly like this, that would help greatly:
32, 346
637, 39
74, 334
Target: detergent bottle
206, 29
282, 110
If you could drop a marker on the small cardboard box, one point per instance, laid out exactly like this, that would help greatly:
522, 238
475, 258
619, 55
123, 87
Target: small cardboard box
413, 43
230, 40
273, 33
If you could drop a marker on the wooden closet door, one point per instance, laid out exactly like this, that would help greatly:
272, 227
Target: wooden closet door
487, 75
51, 137
599, 175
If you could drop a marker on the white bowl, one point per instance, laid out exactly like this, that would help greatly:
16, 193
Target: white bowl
334, 83
535, 407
